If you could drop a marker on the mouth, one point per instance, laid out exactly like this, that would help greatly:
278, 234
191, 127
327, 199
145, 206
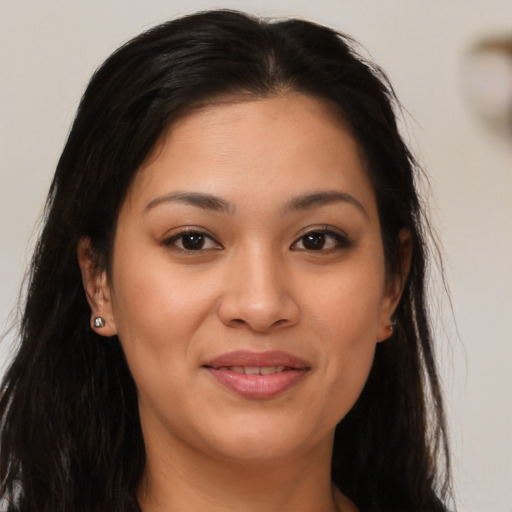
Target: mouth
257, 375
253, 370
248, 359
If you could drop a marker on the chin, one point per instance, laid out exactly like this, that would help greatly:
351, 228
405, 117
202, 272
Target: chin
248, 448
265, 438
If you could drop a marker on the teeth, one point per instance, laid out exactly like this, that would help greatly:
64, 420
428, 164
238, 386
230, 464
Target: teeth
254, 370
268, 370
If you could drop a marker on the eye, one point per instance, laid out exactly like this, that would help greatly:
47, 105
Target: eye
320, 240
191, 241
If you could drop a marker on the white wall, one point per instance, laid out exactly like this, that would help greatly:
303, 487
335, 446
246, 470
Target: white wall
48, 50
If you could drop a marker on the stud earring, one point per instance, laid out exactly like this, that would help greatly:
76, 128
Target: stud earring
99, 322
393, 322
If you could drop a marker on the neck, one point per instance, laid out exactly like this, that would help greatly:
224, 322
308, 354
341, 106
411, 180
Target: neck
186, 479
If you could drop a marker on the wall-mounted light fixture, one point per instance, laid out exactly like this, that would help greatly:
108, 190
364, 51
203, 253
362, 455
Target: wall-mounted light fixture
487, 82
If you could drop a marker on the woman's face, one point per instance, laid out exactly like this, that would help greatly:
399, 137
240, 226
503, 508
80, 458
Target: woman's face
248, 284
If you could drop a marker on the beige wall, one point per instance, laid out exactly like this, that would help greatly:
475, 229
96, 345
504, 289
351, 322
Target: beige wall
48, 50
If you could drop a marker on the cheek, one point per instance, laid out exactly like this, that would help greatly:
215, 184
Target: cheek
346, 318
347, 305
156, 316
348, 361
157, 312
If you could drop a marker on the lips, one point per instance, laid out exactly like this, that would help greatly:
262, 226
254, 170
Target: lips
257, 375
254, 370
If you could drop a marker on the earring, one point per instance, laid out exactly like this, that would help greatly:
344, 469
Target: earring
99, 322
393, 322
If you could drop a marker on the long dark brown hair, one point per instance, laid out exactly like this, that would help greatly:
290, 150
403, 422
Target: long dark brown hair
70, 432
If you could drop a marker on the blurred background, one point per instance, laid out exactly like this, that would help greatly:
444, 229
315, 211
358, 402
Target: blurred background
451, 65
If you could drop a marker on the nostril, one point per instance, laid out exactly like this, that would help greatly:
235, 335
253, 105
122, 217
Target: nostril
239, 322
257, 309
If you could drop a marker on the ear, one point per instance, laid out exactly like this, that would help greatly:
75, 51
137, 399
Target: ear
395, 286
97, 289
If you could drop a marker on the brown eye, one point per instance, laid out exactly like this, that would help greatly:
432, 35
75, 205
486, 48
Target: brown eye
321, 241
313, 241
191, 241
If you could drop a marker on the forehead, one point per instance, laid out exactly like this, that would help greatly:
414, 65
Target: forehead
271, 147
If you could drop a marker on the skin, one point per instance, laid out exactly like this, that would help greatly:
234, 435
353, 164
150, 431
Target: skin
255, 285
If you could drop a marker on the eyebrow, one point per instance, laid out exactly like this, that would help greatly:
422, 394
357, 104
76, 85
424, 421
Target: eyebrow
323, 198
200, 200
216, 204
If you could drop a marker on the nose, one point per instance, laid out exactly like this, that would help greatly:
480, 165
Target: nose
258, 293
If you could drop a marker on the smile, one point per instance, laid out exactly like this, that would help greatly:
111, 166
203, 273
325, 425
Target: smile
254, 370
257, 375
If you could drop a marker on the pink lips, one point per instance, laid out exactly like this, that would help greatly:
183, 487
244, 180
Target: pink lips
257, 374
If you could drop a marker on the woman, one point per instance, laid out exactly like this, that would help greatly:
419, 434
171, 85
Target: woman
226, 308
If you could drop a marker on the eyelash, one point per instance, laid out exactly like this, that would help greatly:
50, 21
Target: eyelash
172, 241
341, 241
